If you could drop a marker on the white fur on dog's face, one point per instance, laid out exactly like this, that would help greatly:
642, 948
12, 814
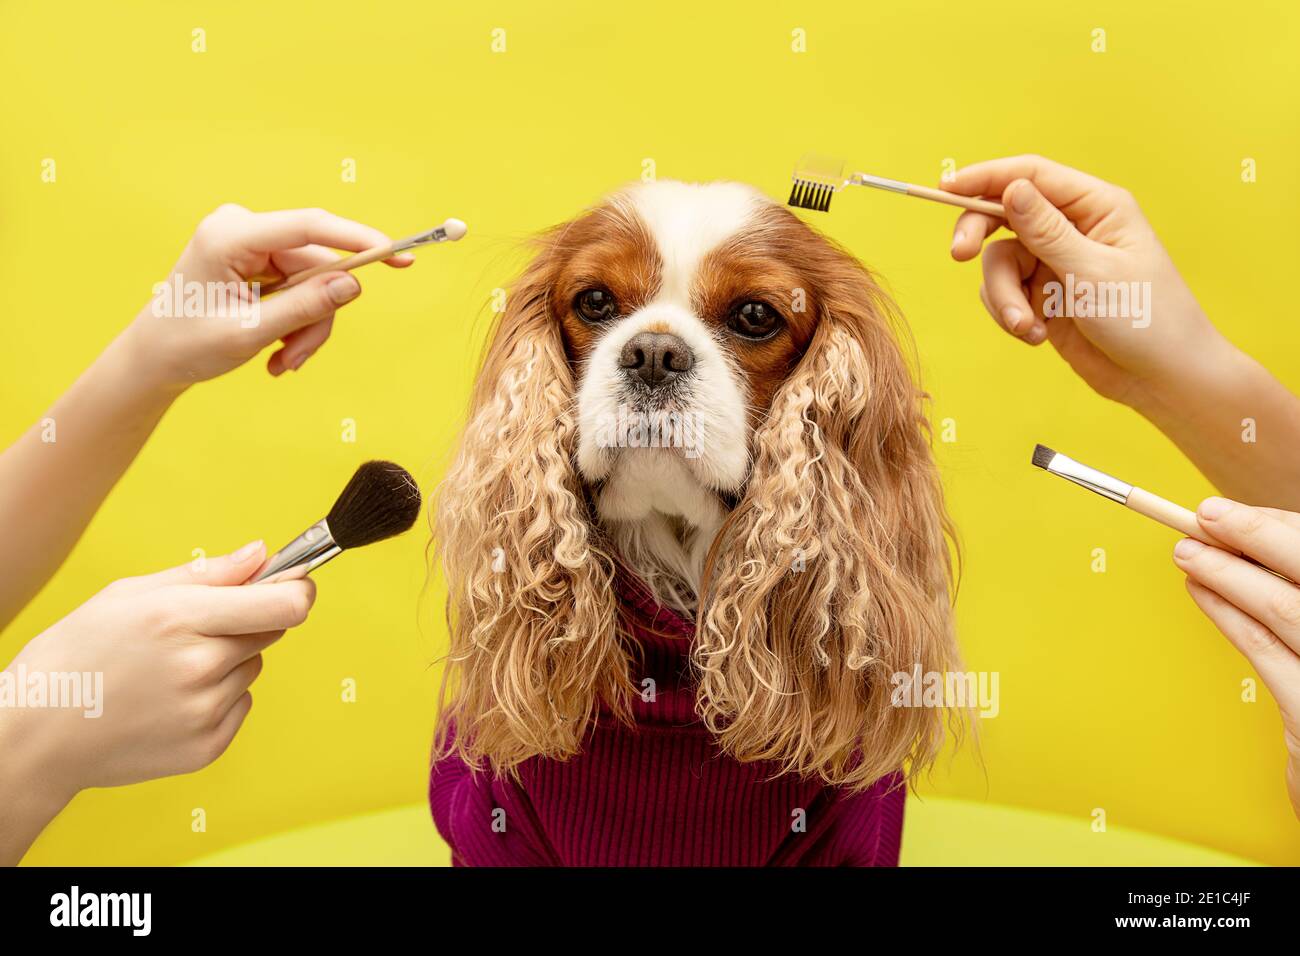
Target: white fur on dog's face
685, 222
703, 442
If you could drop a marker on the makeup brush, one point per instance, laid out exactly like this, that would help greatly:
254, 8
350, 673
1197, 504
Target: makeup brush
380, 501
1136, 499
449, 231
818, 178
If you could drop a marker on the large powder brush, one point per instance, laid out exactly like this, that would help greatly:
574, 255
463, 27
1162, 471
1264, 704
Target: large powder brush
381, 501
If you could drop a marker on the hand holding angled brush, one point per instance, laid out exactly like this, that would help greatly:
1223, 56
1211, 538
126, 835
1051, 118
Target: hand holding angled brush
1257, 611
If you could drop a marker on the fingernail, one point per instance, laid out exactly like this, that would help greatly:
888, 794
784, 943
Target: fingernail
1013, 317
1036, 335
1188, 548
1022, 197
957, 237
247, 551
295, 363
1213, 509
343, 289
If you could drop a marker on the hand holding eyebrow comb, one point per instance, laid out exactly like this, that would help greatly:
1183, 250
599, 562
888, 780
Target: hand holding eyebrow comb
1170, 364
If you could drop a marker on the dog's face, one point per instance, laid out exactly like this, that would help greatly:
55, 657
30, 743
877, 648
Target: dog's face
682, 309
691, 383
678, 310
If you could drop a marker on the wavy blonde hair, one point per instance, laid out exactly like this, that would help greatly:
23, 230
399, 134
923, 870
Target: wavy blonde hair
831, 574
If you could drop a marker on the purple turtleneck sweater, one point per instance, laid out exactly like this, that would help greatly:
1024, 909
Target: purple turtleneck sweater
659, 793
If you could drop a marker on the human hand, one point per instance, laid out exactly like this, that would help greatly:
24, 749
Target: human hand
1257, 611
177, 652
1070, 224
230, 248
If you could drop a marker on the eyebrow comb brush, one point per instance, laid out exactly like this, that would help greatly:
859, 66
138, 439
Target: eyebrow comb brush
449, 231
818, 178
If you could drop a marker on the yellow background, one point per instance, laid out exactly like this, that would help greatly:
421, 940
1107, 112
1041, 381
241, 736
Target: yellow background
1115, 692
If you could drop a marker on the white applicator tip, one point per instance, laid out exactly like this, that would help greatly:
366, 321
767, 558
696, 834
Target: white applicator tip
454, 229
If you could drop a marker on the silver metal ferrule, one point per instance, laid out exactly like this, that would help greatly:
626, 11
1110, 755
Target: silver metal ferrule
1103, 484
436, 234
306, 552
879, 182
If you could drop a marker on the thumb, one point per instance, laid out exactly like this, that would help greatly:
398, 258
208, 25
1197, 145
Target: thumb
1042, 228
306, 304
226, 570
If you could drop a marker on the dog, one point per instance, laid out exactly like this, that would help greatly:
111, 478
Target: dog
693, 409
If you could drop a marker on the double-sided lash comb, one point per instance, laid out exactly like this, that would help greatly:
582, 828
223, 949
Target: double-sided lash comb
818, 178
449, 231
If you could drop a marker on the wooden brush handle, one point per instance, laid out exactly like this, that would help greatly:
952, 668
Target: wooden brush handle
346, 264
986, 206
1172, 516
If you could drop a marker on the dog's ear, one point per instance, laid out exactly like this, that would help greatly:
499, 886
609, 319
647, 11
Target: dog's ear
531, 606
833, 574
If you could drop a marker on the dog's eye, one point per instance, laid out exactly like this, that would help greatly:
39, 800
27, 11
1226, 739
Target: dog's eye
754, 320
595, 305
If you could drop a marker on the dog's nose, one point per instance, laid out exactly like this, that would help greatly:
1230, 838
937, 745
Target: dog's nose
656, 358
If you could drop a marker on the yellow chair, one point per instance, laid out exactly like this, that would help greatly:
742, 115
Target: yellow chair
938, 833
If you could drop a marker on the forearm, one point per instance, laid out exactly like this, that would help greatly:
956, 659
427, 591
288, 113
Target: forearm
30, 797
1237, 423
54, 478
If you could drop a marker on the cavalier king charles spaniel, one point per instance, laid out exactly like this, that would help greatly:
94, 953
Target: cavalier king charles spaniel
690, 386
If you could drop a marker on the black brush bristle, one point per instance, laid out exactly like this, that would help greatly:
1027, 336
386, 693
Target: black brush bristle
381, 500
1043, 456
806, 195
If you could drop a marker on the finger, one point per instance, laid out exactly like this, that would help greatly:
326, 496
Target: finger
1278, 667
1007, 264
236, 649
1255, 532
299, 346
290, 228
237, 682
229, 726
1044, 229
1265, 597
1286, 517
289, 261
1061, 184
252, 610
222, 571
313, 301
970, 232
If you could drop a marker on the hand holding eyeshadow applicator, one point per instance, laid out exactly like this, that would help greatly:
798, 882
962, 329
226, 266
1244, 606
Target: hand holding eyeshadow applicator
380, 501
